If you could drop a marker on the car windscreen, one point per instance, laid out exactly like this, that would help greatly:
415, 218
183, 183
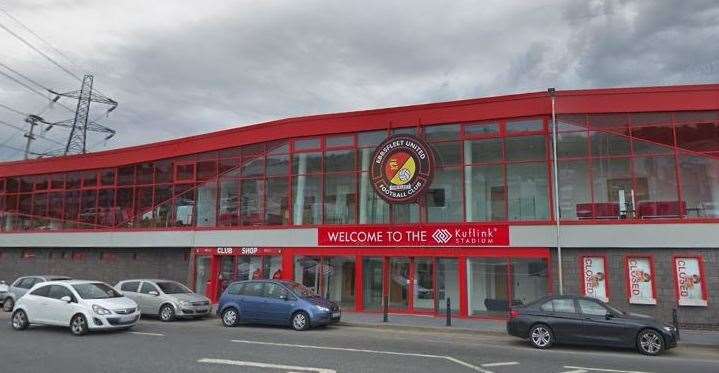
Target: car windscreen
95, 290
171, 287
301, 290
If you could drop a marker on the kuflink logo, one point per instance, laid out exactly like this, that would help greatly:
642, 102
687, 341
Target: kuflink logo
442, 235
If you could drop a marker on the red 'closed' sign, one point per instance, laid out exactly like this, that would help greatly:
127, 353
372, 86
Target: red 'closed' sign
416, 235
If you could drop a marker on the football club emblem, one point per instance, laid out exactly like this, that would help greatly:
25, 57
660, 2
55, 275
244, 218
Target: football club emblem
402, 168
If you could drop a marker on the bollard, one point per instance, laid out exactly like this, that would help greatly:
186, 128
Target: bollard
675, 320
449, 312
385, 317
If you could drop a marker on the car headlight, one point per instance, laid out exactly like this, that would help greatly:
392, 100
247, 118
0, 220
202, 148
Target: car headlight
100, 310
323, 309
669, 328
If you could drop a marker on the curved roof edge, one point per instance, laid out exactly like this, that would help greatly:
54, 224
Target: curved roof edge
608, 100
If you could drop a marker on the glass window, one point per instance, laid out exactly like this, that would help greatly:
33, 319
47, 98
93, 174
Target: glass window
185, 172
547, 307
278, 165
444, 198
107, 177
372, 208
235, 288
655, 187
564, 305
372, 282
42, 291
339, 141
276, 291
307, 193
572, 144
447, 284
527, 185
59, 291
529, 280
482, 151
340, 200
306, 163
163, 171
526, 148
126, 175
228, 215
253, 167
447, 153
340, 160
482, 130
252, 197
278, 204
398, 286
442, 133
424, 284
254, 289
487, 286
172, 287
406, 213
605, 144
95, 290
700, 185
130, 286
525, 125
278, 147
371, 139
575, 195
206, 170
612, 185
145, 173
147, 287
698, 137
485, 194
591, 308
305, 144
615, 122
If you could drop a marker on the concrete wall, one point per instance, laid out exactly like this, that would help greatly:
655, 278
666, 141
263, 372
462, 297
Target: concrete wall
701, 317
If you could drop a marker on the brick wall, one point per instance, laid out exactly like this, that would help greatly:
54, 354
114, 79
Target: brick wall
690, 317
108, 265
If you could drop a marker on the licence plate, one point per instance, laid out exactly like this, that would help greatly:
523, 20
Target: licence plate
127, 318
336, 314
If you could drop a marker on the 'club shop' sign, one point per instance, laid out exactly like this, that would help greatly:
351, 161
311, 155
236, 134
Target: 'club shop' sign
416, 235
402, 168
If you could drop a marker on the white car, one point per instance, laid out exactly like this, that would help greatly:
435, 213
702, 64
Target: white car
81, 305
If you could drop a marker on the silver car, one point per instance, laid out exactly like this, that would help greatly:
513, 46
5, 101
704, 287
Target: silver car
164, 298
21, 286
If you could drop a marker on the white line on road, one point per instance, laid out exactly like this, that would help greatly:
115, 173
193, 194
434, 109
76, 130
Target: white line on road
265, 365
585, 369
448, 358
152, 334
500, 364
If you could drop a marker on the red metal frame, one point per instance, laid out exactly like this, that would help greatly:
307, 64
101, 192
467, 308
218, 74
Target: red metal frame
651, 259
606, 274
702, 275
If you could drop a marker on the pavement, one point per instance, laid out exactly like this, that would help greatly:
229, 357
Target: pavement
200, 346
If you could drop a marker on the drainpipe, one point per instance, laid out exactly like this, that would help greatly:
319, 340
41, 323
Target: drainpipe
555, 172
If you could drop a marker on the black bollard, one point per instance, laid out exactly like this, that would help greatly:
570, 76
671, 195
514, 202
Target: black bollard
675, 320
449, 312
385, 317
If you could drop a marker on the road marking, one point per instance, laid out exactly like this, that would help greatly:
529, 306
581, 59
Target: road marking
501, 364
585, 370
448, 358
152, 334
265, 365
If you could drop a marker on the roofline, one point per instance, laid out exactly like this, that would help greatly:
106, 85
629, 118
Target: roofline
604, 100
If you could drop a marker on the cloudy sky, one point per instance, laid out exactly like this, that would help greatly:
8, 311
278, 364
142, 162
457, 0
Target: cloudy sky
180, 68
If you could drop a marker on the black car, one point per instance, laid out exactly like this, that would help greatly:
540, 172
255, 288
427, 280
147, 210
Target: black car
582, 320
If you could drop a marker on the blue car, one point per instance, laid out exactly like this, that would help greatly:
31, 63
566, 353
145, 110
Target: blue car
275, 302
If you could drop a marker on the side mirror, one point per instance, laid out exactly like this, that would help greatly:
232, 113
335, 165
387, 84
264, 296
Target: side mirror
153, 292
609, 316
66, 299
283, 297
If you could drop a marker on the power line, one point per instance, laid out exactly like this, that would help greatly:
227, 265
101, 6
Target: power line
24, 130
13, 110
24, 76
39, 51
24, 85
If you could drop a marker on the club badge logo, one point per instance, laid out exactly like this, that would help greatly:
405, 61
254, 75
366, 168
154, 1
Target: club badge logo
402, 168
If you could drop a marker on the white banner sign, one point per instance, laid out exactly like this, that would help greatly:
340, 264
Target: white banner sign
641, 279
690, 284
594, 277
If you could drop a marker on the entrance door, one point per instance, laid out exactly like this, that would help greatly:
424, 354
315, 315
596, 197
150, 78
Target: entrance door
399, 281
372, 277
225, 275
202, 274
424, 285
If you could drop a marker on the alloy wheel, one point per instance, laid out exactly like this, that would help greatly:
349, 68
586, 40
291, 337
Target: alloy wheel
8, 305
166, 313
78, 325
229, 317
299, 322
18, 320
541, 336
650, 343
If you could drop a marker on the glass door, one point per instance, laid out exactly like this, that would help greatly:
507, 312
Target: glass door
424, 285
447, 284
373, 284
226, 273
202, 274
399, 281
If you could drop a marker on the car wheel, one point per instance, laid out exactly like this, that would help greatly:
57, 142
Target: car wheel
650, 342
230, 317
541, 336
19, 320
167, 313
8, 305
78, 325
300, 321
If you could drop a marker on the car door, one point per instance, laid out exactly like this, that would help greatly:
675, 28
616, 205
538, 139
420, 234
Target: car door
59, 312
34, 304
253, 302
278, 305
149, 303
598, 327
564, 320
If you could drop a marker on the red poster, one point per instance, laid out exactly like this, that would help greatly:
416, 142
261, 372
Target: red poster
451, 235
